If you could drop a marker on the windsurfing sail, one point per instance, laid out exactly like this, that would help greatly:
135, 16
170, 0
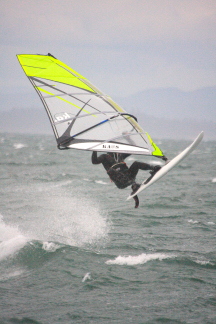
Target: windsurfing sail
82, 117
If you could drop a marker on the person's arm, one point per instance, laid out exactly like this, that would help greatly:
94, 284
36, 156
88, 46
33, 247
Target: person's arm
97, 159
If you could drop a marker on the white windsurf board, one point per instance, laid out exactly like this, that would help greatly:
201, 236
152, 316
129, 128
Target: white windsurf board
171, 164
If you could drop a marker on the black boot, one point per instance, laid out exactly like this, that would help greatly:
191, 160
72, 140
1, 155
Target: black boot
155, 169
136, 201
135, 187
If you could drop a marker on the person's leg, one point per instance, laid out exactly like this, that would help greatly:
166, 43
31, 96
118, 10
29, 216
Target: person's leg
136, 166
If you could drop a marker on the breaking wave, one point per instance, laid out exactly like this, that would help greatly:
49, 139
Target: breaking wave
139, 259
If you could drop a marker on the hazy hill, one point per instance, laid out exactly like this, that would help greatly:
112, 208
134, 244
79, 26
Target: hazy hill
31, 121
164, 113
172, 103
35, 121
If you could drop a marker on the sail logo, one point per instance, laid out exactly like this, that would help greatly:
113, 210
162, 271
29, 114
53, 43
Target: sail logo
110, 146
63, 116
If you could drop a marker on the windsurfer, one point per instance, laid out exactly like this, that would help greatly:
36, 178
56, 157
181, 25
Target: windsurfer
118, 171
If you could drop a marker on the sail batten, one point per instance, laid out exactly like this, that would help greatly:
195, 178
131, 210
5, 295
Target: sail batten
82, 117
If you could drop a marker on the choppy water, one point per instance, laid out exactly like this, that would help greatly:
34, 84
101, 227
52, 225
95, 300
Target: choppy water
74, 251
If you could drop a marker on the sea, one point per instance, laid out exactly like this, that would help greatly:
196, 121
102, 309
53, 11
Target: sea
74, 250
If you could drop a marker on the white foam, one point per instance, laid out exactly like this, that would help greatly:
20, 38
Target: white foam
139, 259
214, 180
210, 223
87, 277
192, 221
101, 182
18, 146
202, 262
50, 246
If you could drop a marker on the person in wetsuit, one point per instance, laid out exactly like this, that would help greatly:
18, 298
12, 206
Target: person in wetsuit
118, 171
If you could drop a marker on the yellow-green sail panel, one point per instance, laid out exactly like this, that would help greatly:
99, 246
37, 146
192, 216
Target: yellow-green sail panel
48, 67
157, 151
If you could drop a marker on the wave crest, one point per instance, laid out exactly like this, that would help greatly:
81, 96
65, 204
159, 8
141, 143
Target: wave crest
139, 259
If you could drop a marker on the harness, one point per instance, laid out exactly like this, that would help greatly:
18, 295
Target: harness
119, 174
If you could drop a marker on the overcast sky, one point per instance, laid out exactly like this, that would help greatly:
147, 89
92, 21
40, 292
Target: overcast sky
122, 46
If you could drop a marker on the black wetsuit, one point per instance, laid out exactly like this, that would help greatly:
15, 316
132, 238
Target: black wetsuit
117, 169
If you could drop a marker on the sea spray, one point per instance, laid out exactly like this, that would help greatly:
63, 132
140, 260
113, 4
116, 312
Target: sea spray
12, 240
67, 219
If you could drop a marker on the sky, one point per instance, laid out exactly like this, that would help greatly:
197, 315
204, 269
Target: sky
121, 46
